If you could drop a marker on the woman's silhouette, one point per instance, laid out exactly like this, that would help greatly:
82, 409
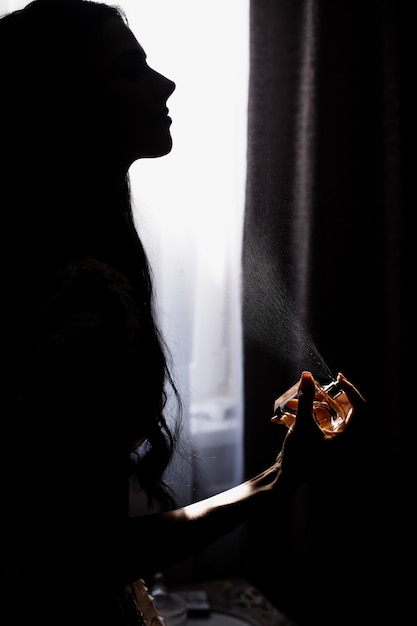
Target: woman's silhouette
86, 373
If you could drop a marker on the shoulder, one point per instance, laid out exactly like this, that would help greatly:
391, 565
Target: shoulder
87, 299
75, 354
90, 287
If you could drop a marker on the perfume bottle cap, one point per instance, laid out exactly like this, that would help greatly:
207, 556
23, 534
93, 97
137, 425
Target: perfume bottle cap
333, 388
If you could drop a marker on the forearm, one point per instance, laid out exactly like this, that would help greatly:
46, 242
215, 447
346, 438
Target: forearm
168, 538
155, 542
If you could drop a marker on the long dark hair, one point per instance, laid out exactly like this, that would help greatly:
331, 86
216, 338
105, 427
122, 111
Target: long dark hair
46, 85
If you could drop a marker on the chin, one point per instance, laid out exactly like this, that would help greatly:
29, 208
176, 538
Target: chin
153, 153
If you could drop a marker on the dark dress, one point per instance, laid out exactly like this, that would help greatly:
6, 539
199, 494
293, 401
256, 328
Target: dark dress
65, 449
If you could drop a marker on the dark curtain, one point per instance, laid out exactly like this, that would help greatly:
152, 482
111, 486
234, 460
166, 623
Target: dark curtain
324, 289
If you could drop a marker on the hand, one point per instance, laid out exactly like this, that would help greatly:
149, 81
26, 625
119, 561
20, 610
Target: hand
356, 399
306, 448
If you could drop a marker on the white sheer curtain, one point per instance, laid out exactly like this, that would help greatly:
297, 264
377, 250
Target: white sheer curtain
11, 5
189, 214
189, 210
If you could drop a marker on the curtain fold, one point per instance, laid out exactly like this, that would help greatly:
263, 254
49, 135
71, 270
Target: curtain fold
324, 261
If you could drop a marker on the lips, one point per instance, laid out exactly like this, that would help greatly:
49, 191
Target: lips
164, 113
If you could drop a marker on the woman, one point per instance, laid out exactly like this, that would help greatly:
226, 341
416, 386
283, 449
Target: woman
87, 371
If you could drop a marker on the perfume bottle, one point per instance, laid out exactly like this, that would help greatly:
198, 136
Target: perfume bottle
331, 407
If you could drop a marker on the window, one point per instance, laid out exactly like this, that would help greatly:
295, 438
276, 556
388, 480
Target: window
189, 210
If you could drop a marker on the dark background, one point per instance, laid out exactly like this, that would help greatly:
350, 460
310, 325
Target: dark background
328, 197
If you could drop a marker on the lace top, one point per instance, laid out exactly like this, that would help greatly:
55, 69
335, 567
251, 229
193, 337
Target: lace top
66, 431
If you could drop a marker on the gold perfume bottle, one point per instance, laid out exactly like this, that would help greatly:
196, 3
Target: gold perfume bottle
331, 407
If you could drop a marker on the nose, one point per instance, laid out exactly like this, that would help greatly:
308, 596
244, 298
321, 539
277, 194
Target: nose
170, 87
165, 85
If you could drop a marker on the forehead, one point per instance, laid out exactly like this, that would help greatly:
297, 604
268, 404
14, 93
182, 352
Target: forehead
115, 38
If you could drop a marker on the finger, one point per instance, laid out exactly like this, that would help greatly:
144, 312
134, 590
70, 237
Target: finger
306, 391
306, 388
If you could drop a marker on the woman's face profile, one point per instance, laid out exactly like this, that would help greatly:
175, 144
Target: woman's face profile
134, 94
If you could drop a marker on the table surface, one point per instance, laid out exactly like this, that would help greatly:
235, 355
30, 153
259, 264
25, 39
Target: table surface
238, 599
